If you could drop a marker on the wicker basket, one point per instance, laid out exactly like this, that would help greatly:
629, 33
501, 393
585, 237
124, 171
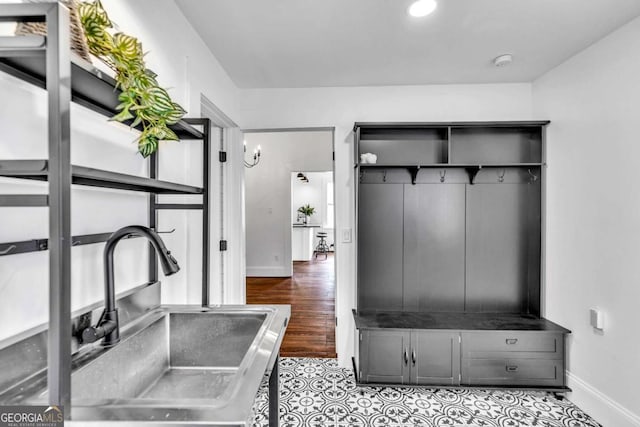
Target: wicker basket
78, 41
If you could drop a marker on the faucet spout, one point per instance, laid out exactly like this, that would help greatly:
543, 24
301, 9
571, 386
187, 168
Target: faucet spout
108, 326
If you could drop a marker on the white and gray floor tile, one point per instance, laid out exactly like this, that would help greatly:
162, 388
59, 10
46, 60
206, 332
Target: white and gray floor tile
316, 392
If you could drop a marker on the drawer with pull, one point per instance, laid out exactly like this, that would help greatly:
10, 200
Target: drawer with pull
504, 371
480, 344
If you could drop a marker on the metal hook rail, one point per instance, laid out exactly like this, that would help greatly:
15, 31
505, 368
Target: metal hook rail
37, 245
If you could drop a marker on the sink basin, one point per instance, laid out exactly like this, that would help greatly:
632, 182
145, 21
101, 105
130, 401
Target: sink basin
180, 365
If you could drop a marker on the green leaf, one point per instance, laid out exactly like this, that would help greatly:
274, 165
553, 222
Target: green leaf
147, 144
126, 45
170, 135
136, 122
122, 116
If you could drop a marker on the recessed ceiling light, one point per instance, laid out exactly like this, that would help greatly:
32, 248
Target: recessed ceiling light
422, 8
502, 60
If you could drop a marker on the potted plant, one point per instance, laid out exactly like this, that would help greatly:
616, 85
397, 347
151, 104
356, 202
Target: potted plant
307, 211
142, 101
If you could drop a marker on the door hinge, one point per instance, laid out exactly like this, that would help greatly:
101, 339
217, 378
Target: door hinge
459, 378
222, 156
223, 245
360, 336
336, 321
459, 339
334, 156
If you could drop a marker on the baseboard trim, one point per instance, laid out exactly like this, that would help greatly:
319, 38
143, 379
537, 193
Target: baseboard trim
269, 272
598, 405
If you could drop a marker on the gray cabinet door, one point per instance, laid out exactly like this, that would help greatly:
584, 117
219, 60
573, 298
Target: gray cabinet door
384, 356
498, 253
380, 225
434, 247
435, 357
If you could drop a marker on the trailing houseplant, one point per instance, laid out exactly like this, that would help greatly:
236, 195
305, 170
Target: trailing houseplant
142, 100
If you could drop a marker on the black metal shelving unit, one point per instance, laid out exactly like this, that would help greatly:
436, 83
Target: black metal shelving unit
46, 63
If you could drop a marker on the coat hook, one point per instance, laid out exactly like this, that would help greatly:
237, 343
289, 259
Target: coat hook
533, 176
443, 173
9, 249
501, 175
384, 175
75, 243
166, 232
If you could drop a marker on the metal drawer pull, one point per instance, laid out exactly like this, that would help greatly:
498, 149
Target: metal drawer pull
406, 357
511, 340
512, 368
413, 356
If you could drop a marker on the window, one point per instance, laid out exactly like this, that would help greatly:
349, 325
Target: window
329, 205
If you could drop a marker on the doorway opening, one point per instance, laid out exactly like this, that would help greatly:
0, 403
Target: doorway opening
290, 233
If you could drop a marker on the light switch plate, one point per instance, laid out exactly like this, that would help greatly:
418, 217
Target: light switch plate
597, 318
346, 235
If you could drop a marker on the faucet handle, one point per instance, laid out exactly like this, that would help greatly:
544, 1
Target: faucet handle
106, 328
92, 334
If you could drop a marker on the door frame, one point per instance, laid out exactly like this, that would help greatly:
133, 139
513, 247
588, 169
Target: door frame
331, 129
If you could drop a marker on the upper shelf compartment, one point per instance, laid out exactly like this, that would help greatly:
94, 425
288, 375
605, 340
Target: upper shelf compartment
38, 170
402, 146
453, 144
90, 87
486, 145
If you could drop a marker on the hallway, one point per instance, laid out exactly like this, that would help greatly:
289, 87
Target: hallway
311, 293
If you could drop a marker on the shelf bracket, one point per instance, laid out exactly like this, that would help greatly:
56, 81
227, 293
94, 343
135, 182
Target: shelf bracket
472, 171
414, 173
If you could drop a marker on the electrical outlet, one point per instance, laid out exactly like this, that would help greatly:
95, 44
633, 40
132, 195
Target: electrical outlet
346, 235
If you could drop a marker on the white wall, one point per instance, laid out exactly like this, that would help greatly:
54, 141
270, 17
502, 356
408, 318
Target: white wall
186, 66
593, 211
268, 194
341, 107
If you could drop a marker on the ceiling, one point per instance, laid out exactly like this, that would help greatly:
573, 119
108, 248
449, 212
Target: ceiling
319, 43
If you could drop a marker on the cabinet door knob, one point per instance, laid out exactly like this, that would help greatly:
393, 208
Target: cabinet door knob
413, 357
512, 368
512, 341
406, 357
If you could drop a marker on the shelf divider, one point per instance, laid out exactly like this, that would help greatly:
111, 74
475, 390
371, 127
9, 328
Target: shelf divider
179, 206
24, 200
451, 165
16, 46
81, 175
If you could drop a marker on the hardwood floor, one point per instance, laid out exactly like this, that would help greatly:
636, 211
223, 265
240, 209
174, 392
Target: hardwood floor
311, 293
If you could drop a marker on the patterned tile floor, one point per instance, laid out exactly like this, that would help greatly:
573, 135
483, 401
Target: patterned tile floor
316, 392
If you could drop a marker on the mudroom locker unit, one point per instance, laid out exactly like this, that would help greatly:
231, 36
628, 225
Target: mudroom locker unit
449, 250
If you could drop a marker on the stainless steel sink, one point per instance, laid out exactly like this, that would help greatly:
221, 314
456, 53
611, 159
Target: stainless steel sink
180, 365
